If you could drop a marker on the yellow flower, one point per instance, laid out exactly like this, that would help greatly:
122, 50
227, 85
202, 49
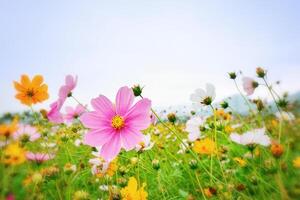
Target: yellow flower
14, 154
240, 161
8, 129
228, 129
31, 91
296, 162
111, 169
209, 192
205, 146
131, 191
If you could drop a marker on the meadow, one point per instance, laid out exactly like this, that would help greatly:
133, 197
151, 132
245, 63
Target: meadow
123, 149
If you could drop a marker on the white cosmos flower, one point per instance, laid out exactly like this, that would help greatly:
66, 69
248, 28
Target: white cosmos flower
193, 127
286, 116
204, 96
256, 136
146, 144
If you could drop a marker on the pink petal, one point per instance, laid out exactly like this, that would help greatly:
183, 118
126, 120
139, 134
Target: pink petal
104, 106
94, 121
130, 138
124, 100
71, 82
112, 148
139, 115
97, 138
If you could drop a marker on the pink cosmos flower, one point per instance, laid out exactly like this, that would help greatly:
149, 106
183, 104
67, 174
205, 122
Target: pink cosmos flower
26, 132
66, 90
54, 114
10, 196
116, 126
39, 157
249, 85
72, 113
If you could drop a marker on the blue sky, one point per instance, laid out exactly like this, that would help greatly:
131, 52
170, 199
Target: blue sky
171, 47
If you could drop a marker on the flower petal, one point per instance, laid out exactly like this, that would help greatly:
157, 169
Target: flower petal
104, 106
130, 138
94, 121
124, 100
97, 138
139, 115
112, 148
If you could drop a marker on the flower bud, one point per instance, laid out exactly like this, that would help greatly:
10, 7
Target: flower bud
37, 178
261, 73
134, 160
277, 150
232, 75
81, 195
137, 90
155, 164
224, 104
255, 84
193, 164
172, 117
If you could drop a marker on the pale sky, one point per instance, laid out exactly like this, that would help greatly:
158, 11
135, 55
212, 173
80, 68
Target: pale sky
171, 47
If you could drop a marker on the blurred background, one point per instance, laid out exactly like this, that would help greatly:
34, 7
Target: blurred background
170, 47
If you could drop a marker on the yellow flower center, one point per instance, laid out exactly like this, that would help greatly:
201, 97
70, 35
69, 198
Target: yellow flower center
117, 122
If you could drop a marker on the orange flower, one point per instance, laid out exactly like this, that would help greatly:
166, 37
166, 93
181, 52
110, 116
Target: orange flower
8, 129
205, 146
31, 91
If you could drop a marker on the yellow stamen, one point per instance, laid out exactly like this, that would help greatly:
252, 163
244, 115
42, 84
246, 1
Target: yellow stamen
117, 122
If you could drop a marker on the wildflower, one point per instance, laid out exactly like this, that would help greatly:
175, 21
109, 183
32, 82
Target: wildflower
172, 117
232, 75
36, 177
39, 157
8, 130
49, 171
66, 90
240, 161
261, 73
205, 146
155, 164
100, 167
131, 191
54, 114
286, 116
115, 127
69, 168
204, 97
193, 128
14, 154
26, 133
72, 113
256, 136
10, 196
249, 85
137, 90
228, 129
81, 195
146, 144
31, 91
296, 162
209, 192
277, 149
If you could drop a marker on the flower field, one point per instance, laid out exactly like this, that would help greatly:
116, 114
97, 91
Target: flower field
123, 148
